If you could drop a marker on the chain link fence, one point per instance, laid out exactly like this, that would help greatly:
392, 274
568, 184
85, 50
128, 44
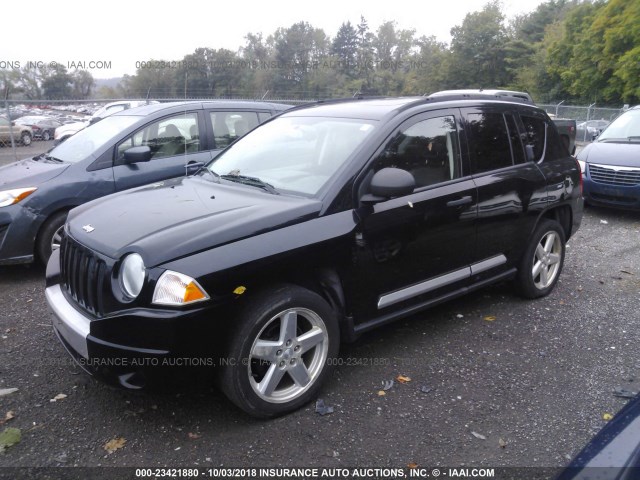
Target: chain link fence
590, 120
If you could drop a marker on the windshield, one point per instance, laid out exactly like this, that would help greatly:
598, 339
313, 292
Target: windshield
624, 128
294, 154
93, 138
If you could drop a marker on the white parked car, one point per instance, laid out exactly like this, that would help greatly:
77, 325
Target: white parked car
65, 131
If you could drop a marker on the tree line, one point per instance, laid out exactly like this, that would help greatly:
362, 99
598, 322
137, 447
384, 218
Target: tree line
574, 50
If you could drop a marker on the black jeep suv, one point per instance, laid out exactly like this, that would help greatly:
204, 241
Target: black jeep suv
325, 222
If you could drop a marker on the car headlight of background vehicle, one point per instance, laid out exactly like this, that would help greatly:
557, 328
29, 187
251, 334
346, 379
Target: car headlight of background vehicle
132, 275
177, 289
11, 197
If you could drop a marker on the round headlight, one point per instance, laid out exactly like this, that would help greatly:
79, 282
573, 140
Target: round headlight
132, 275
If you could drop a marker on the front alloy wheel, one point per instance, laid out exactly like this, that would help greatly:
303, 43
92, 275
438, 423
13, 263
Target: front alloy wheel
280, 351
542, 262
288, 355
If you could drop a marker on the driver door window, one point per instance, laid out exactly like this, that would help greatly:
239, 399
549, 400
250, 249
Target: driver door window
177, 135
428, 150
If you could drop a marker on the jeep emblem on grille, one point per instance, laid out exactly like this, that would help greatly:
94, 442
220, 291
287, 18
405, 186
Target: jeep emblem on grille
88, 228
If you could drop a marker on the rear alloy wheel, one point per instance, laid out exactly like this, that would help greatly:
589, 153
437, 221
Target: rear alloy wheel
279, 352
46, 136
25, 139
50, 236
543, 260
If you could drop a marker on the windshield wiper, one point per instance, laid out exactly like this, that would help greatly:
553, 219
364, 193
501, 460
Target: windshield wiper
52, 159
205, 170
251, 181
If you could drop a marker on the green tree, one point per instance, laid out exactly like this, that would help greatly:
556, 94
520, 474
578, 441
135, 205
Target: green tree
154, 79
615, 38
345, 48
299, 50
478, 50
83, 84
257, 75
58, 85
429, 66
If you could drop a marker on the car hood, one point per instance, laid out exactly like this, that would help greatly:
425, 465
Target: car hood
29, 173
179, 217
618, 154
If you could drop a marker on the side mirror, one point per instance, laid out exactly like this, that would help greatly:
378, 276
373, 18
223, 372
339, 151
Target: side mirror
192, 167
13, 124
389, 183
137, 155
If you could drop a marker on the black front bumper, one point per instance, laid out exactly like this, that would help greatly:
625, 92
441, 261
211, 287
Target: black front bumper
133, 347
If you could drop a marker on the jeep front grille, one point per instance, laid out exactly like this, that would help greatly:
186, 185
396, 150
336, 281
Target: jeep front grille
617, 176
84, 275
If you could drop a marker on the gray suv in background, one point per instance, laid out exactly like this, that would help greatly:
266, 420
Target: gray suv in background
127, 149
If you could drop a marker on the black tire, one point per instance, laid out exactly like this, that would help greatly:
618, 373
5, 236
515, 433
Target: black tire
46, 136
547, 261
25, 139
245, 376
48, 234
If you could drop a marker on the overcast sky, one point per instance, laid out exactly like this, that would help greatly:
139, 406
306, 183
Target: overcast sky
119, 33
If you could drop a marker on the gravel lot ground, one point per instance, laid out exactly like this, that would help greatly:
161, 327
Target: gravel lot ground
535, 382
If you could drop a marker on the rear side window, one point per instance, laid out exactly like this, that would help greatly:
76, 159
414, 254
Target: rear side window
543, 138
535, 133
229, 126
489, 141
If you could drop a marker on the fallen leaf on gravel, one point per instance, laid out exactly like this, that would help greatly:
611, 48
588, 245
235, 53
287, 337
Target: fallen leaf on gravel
115, 444
604, 222
60, 396
477, 435
502, 443
490, 318
9, 437
381, 393
403, 379
8, 417
7, 391
412, 465
387, 384
625, 271
194, 436
323, 409
607, 416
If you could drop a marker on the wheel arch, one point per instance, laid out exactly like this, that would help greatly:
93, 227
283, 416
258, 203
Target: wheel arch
45, 221
324, 281
561, 214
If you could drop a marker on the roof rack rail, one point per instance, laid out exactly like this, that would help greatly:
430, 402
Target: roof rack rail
476, 94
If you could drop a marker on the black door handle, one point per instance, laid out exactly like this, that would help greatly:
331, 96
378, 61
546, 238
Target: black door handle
460, 201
